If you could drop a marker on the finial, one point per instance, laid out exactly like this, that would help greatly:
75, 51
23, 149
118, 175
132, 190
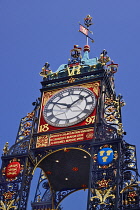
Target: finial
112, 67
75, 56
85, 30
104, 58
5, 149
88, 21
45, 70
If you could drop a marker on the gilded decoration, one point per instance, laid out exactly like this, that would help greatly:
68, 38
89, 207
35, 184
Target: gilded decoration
112, 112
94, 85
120, 130
102, 195
25, 129
130, 185
103, 183
8, 195
46, 70
8, 205
89, 135
130, 192
71, 80
48, 94
42, 141
74, 70
6, 148
12, 170
30, 115
27, 124
104, 58
26, 132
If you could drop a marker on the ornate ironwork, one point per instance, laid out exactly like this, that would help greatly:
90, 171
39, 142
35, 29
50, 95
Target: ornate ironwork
14, 191
113, 174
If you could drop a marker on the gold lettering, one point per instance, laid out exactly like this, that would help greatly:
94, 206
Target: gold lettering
74, 70
80, 134
80, 138
69, 140
56, 142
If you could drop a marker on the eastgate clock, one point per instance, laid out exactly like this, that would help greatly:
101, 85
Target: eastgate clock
69, 106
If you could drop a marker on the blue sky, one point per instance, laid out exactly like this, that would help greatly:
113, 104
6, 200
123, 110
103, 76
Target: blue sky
34, 32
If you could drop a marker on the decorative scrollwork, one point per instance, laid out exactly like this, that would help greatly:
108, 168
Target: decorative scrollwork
20, 147
129, 155
105, 132
112, 113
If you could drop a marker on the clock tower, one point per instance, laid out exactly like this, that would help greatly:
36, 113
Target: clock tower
75, 136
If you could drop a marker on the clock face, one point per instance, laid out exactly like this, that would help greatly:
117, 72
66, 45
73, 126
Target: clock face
69, 106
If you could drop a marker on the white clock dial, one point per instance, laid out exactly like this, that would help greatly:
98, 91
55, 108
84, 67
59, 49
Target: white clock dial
69, 106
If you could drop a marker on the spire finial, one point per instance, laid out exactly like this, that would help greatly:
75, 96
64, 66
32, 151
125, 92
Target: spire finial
88, 21
85, 30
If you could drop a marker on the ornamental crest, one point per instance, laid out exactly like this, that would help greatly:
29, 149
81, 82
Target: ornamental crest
105, 156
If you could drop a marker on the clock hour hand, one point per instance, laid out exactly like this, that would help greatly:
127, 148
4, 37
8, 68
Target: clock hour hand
63, 104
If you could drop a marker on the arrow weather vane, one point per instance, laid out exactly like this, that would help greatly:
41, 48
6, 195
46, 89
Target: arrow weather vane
85, 30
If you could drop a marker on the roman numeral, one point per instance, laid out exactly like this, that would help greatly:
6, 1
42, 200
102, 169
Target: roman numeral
86, 110
89, 102
57, 121
49, 110
51, 117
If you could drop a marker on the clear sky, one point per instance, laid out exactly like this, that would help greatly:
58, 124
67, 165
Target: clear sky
33, 32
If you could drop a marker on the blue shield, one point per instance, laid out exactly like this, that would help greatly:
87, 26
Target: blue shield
105, 156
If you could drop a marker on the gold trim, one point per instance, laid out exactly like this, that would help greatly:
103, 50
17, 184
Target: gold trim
94, 85
48, 94
7, 205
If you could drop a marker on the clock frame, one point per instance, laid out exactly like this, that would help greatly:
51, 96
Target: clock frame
69, 106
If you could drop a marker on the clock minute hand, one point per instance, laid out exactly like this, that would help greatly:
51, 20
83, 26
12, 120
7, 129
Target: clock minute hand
80, 98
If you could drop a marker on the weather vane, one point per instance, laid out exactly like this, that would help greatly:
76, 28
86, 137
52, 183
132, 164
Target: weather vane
85, 30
